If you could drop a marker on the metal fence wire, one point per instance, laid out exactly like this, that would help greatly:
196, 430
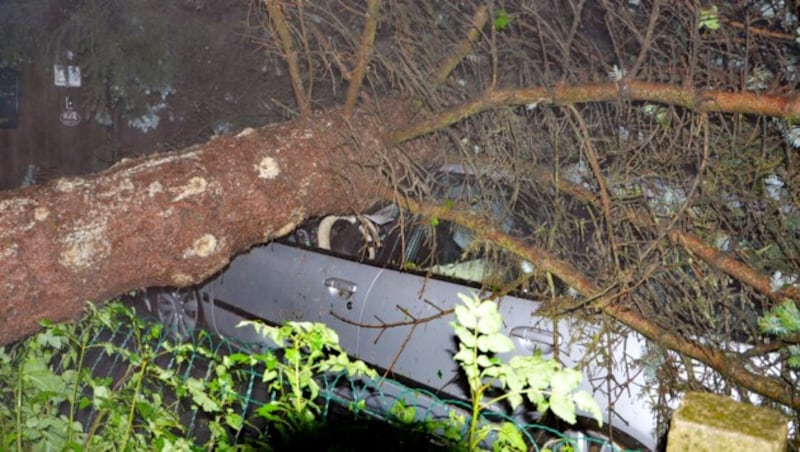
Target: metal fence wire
357, 412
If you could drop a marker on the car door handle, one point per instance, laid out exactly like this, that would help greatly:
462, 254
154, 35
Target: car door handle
532, 339
342, 287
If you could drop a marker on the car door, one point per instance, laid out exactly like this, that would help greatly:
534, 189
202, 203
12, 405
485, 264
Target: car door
279, 283
405, 327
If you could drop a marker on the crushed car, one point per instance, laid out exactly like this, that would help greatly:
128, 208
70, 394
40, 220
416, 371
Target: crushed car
387, 280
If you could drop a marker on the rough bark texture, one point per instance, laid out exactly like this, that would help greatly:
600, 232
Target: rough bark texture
175, 219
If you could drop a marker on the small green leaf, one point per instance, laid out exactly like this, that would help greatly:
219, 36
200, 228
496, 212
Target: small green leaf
465, 356
404, 414
565, 381
709, 18
489, 323
495, 343
37, 374
466, 317
501, 19
101, 395
585, 402
509, 438
782, 320
515, 399
562, 406
484, 361
465, 336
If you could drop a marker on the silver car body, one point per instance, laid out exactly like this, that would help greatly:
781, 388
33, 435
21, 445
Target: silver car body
396, 321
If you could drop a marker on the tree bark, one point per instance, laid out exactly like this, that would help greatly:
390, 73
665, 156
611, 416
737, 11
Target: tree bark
175, 219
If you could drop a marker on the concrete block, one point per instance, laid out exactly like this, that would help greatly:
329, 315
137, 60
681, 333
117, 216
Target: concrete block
708, 422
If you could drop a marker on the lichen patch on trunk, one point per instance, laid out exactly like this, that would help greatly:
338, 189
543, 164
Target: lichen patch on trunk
268, 168
245, 132
15, 205
85, 246
18, 209
40, 213
202, 247
154, 162
181, 279
154, 188
195, 186
287, 228
10, 252
67, 185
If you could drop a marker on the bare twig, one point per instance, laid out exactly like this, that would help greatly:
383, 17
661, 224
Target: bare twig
400, 350
573, 29
759, 31
648, 38
464, 47
278, 23
363, 56
605, 200
385, 325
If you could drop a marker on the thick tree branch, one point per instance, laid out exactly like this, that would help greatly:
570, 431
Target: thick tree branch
770, 387
175, 219
699, 100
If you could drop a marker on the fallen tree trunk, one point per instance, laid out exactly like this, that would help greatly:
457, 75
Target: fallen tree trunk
175, 219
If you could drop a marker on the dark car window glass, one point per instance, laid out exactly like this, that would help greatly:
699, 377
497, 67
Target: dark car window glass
450, 250
369, 237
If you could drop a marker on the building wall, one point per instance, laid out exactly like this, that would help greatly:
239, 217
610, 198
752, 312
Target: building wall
59, 150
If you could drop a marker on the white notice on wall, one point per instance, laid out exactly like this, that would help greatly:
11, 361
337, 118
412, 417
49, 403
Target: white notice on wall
67, 75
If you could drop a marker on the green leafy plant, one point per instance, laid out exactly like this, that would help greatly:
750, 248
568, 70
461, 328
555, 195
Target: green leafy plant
46, 384
543, 382
783, 321
306, 351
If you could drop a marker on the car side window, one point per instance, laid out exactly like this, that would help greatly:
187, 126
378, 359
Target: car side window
451, 250
358, 237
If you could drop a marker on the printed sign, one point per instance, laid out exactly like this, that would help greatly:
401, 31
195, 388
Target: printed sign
68, 76
70, 118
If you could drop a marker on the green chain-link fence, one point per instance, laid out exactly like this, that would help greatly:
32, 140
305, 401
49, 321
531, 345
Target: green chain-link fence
124, 354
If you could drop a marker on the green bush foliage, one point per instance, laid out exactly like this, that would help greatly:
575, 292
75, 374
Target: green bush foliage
47, 386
